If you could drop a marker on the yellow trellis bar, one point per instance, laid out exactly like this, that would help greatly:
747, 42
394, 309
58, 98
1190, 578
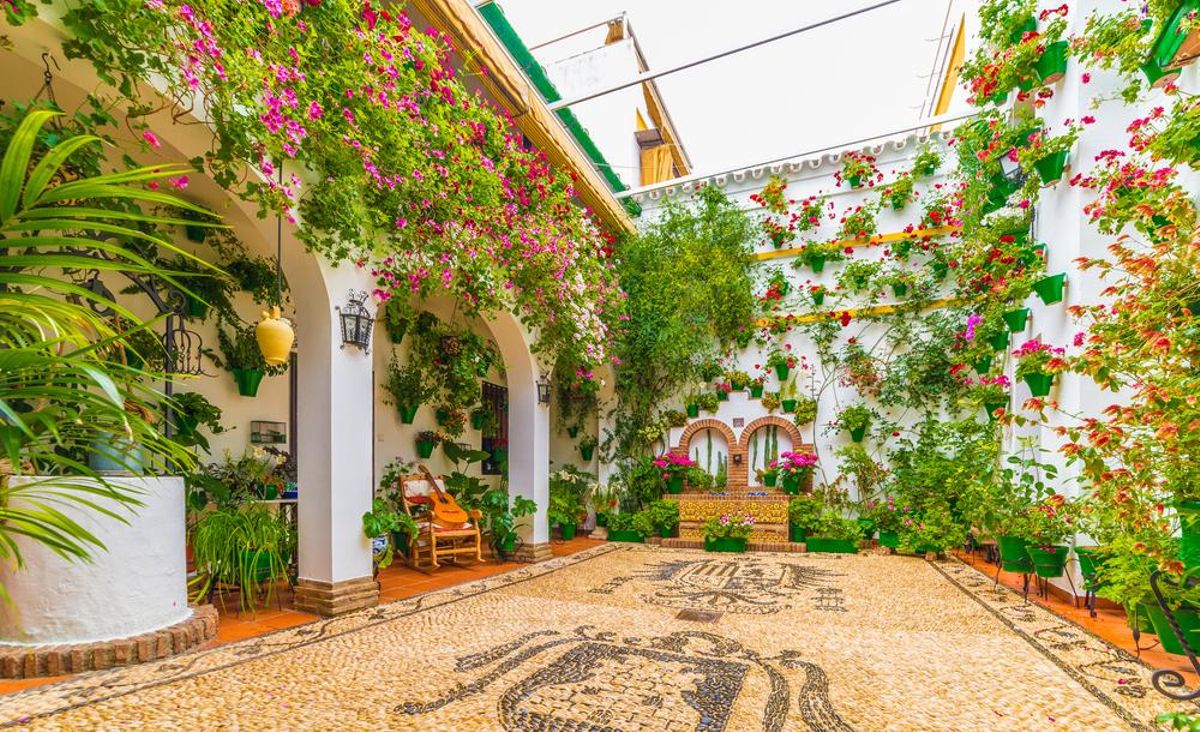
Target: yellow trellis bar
859, 312
877, 239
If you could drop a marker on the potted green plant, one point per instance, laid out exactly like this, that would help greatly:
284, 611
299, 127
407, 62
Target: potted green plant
818, 293
805, 411
587, 447
932, 530
620, 528
727, 533
1037, 363
247, 546
857, 169
816, 254
788, 396
1016, 319
395, 317
1050, 288
191, 411
770, 401
859, 224
855, 419
738, 380
767, 476
427, 440
782, 361
833, 533
407, 387
1048, 155
794, 469
926, 162
241, 356
887, 518
673, 469
391, 528
756, 386
504, 520
899, 194
659, 517
804, 513
707, 402
1048, 525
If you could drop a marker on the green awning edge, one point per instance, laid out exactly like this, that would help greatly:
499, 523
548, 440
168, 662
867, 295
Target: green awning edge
494, 15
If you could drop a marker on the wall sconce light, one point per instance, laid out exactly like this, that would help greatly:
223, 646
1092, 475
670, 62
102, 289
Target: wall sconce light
737, 459
543, 389
356, 322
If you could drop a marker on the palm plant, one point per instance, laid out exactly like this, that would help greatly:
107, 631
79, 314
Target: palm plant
59, 394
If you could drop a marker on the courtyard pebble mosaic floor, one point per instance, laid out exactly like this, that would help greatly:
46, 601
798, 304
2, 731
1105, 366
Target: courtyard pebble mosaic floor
630, 637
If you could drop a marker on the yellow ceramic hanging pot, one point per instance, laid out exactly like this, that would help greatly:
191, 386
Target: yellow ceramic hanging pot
275, 337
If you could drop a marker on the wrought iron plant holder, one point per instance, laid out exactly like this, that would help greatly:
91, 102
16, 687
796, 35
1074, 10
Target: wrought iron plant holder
1168, 681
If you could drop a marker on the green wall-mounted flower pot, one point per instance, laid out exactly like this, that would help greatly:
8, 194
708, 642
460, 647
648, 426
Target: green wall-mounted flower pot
408, 413
675, 485
1016, 319
738, 385
817, 263
626, 535
900, 290
725, 544
1050, 168
984, 365
586, 452
478, 419
442, 415
782, 372
818, 298
1168, 49
693, 410
1052, 65
788, 405
1029, 25
1048, 561
991, 408
425, 449
194, 307
889, 539
998, 98
858, 433
1039, 384
1013, 556
1157, 75
573, 432
1026, 83
998, 342
247, 381
818, 545
795, 533
722, 395
756, 391
940, 270
855, 181
1050, 289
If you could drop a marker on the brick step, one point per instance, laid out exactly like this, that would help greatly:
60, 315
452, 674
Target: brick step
752, 546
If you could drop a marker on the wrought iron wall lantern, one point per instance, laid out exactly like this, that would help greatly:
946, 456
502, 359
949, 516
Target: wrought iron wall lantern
357, 322
543, 390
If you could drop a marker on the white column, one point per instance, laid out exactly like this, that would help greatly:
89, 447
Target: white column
334, 444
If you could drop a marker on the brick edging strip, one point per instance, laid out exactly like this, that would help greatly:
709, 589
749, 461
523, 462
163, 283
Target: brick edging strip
32, 661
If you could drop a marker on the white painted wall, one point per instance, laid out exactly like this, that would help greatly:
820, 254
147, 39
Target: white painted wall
136, 585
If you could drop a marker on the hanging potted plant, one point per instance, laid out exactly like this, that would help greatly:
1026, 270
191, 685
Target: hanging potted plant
1037, 363
855, 419
241, 355
395, 318
191, 411
778, 234
859, 224
756, 386
768, 476
1050, 289
587, 447
1016, 319
787, 396
899, 194
815, 254
927, 161
407, 387
858, 169
727, 533
770, 401
737, 380
426, 441
782, 361
1048, 155
818, 293
990, 392
722, 389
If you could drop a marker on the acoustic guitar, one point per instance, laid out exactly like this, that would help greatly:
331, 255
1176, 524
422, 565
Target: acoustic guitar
445, 510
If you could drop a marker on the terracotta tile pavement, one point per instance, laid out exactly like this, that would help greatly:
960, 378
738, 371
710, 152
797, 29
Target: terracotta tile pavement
395, 583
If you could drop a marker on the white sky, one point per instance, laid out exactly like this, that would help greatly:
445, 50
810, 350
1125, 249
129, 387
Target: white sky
852, 79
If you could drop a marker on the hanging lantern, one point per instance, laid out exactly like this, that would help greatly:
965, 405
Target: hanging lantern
275, 337
357, 322
543, 390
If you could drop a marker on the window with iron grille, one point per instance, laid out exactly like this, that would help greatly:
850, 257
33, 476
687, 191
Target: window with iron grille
494, 437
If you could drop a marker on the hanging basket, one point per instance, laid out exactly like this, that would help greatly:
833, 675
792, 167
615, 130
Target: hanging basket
247, 381
1039, 383
408, 413
1050, 289
587, 452
1050, 168
1016, 319
1052, 65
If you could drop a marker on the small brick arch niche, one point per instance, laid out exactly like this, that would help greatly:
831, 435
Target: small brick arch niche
739, 467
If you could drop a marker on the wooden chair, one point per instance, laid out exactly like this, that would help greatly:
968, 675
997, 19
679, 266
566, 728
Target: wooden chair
431, 540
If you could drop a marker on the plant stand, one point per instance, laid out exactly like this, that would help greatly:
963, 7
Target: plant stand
1167, 680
